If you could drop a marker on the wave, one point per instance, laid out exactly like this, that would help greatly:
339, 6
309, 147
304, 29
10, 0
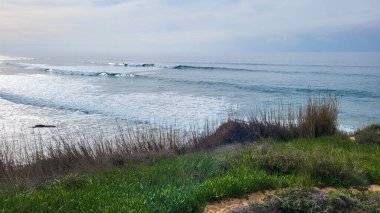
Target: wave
180, 67
11, 58
40, 103
141, 65
47, 68
61, 70
265, 89
135, 107
241, 86
184, 67
277, 89
188, 67
131, 64
81, 73
300, 65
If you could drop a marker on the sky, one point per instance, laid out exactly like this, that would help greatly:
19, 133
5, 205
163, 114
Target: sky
188, 27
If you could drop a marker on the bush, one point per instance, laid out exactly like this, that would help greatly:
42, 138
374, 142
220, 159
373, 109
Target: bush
341, 203
285, 163
313, 200
369, 135
291, 200
336, 173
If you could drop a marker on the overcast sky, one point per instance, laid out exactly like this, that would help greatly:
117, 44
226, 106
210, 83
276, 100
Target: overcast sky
188, 27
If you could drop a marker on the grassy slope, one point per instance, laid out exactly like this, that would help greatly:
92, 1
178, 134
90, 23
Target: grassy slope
185, 183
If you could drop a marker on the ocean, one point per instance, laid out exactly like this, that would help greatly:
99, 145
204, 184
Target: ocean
92, 93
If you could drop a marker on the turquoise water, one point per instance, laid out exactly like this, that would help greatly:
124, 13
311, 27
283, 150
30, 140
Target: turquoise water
82, 92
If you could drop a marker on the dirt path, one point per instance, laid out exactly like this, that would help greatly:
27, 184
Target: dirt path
231, 204
374, 188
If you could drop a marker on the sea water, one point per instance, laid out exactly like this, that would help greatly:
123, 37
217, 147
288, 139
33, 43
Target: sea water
82, 93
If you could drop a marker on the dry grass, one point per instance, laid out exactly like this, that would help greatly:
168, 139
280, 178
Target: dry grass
64, 153
317, 118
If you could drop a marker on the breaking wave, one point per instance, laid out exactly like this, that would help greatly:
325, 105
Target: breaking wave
72, 71
134, 69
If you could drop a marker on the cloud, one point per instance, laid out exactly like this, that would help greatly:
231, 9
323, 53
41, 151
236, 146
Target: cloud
178, 25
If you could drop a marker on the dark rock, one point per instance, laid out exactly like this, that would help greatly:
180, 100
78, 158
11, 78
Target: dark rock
43, 126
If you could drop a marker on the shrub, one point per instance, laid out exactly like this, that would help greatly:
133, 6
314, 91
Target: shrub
341, 203
336, 173
313, 200
285, 163
290, 200
369, 135
297, 200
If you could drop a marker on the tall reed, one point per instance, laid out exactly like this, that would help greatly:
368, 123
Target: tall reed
317, 118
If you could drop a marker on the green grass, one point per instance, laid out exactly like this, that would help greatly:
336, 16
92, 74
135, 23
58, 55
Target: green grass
185, 183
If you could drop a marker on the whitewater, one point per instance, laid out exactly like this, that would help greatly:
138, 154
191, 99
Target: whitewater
96, 93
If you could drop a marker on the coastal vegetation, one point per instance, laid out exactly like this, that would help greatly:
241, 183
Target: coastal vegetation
185, 183
166, 170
